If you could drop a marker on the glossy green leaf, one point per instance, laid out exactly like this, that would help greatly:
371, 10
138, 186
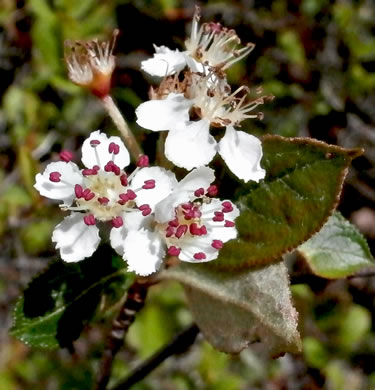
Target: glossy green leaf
337, 250
59, 302
235, 309
303, 182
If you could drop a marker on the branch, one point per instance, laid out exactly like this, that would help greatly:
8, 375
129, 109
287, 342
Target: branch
120, 325
178, 345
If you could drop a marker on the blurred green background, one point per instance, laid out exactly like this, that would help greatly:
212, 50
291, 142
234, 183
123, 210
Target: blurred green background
316, 56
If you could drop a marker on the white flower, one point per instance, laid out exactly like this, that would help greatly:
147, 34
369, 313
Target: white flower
188, 224
100, 193
209, 46
189, 144
91, 63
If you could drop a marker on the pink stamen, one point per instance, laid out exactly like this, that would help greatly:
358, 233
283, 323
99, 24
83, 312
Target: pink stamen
169, 231
85, 193
196, 213
103, 200
187, 206
112, 167
88, 172
55, 177
219, 216
131, 194
229, 224
143, 161
199, 192
227, 207
194, 229
89, 196
96, 167
124, 180
146, 209
199, 256
217, 244
173, 251
117, 222
66, 155
212, 191
89, 220
78, 190
124, 198
202, 230
181, 230
113, 148
149, 184
94, 142
173, 223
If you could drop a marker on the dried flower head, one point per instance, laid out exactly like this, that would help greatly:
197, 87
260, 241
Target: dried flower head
91, 63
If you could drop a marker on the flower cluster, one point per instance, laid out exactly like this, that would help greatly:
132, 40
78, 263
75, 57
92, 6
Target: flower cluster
188, 104
148, 211
148, 214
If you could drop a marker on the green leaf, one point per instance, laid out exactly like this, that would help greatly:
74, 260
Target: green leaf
59, 302
337, 250
303, 182
234, 309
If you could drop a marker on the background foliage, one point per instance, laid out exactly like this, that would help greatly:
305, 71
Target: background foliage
315, 56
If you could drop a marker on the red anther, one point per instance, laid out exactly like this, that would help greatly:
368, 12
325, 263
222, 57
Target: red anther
143, 161
219, 216
131, 194
173, 251
124, 180
169, 231
78, 190
66, 155
194, 229
108, 166
229, 224
149, 184
227, 207
113, 148
88, 172
196, 213
187, 206
202, 230
188, 215
116, 169
55, 177
146, 212
96, 168
89, 196
181, 230
217, 244
85, 192
103, 200
117, 222
199, 256
144, 207
124, 198
89, 220
94, 142
173, 223
199, 192
121, 202
212, 191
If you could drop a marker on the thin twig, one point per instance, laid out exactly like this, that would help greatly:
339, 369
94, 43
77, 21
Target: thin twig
119, 121
178, 345
120, 325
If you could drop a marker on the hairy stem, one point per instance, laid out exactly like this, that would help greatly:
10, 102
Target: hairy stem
119, 121
178, 345
120, 325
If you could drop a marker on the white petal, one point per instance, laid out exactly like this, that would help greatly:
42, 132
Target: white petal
75, 239
217, 230
163, 114
191, 145
184, 192
195, 245
132, 221
64, 189
164, 62
99, 154
242, 153
143, 251
198, 178
165, 182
